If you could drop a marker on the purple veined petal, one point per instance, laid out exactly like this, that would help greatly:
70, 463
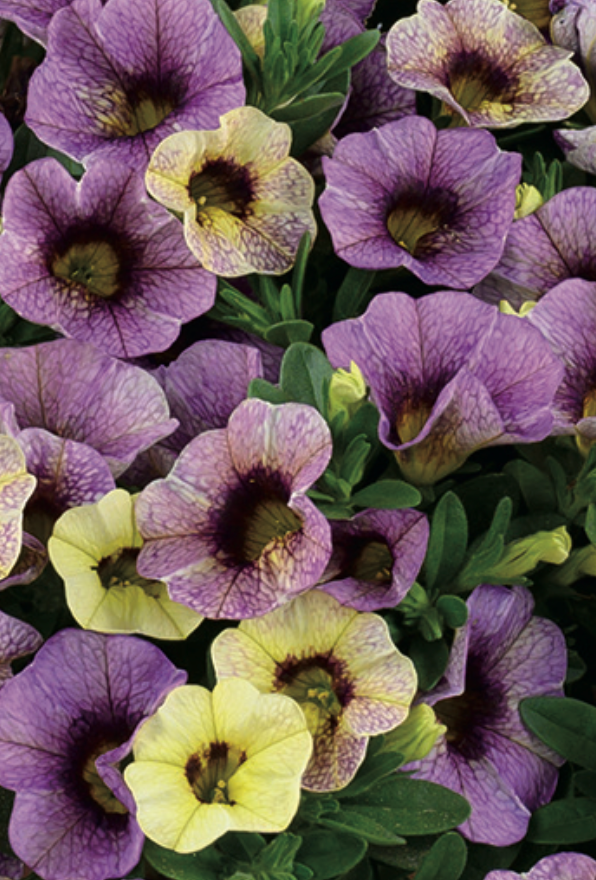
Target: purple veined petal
30, 564
560, 866
148, 72
17, 639
579, 147
6, 143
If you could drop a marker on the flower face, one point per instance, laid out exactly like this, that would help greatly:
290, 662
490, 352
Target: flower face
488, 65
73, 815
119, 78
209, 763
246, 204
230, 529
499, 657
98, 260
449, 375
339, 665
438, 203
95, 548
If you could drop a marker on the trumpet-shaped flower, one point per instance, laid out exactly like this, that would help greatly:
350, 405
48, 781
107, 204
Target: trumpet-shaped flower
94, 549
560, 866
449, 375
98, 260
439, 203
66, 722
119, 77
376, 557
489, 66
499, 657
246, 204
16, 487
339, 664
230, 529
207, 763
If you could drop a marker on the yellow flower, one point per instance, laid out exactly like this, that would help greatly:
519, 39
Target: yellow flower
94, 548
210, 763
338, 663
16, 487
246, 204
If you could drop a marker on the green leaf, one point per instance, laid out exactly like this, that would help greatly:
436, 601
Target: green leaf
369, 826
307, 108
329, 853
409, 807
304, 372
537, 490
447, 542
352, 294
489, 550
266, 391
566, 725
454, 610
430, 660
286, 332
590, 524
446, 860
207, 864
387, 495
353, 460
375, 768
564, 822
354, 50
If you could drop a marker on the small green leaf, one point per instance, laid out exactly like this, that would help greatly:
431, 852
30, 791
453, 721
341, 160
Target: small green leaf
352, 294
590, 525
266, 391
329, 853
354, 50
454, 610
304, 371
353, 460
568, 726
537, 490
446, 860
369, 826
207, 864
387, 495
375, 768
564, 822
285, 333
307, 108
447, 542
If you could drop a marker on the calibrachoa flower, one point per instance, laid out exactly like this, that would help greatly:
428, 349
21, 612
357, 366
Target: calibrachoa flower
566, 316
208, 763
66, 722
230, 529
499, 657
488, 65
555, 242
449, 375
573, 27
98, 260
246, 204
376, 557
437, 202
560, 866
94, 549
339, 664
119, 78
579, 147
17, 639
16, 487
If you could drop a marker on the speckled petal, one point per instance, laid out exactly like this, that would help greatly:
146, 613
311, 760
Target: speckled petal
6, 141
579, 147
560, 866
335, 760
17, 639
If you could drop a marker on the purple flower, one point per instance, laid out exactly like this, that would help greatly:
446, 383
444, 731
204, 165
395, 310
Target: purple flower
376, 557
17, 639
119, 78
79, 416
489, 66
438, 203
573, 27
6, 144
230, 529
501, 656
579, 147
66, 723
561, 866
556, 242
449, 375
32, 16
566, 317
98, 261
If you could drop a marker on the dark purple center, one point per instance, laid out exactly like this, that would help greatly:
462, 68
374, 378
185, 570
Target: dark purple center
416, 215
475, 79
366, 557
94, 260
223, 184
209, 771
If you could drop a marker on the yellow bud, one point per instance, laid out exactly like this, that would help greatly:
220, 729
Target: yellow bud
416, 736
347, 391
522, 556
527, 200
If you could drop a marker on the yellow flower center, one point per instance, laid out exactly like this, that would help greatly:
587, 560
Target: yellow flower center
373, 563
98, 790
208, 772
320, 684
271, 521
120, 570
222, 184
93, 265
147, 113
417, 215
476, 81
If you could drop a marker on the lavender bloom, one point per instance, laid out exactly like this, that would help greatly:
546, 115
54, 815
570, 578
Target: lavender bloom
489, 66
75, 450
66, 723
6, 143
32, 16
439, 203
579, 147
449, 375
573, 27
119, 78
501, 656
376, 557
566, 317
556, 242
230, 529
98, 261
17, 639
561, 866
